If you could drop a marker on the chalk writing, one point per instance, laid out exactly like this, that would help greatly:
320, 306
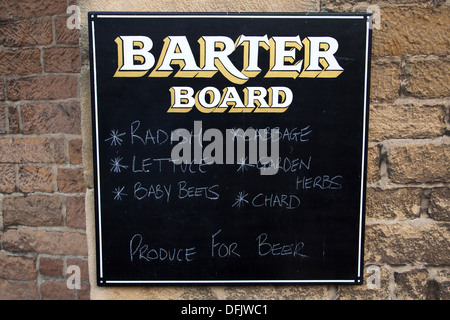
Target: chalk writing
155, 162
222, 250
155, 137
139, 251
240, 199
277, 249
219, 249
115, 137
288, 201
118, 193
152, 191
116, 166
152, 162
185, 191
322, 182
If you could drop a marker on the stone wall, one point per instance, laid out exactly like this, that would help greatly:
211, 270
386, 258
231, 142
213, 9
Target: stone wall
42, 189
46, 185
408, 203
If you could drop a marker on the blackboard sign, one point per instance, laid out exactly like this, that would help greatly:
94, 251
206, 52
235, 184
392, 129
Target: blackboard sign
229, 148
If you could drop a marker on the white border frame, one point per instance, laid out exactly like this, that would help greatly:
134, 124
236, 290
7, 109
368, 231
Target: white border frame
226, 16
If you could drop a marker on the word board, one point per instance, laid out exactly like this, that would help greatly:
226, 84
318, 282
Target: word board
176, 200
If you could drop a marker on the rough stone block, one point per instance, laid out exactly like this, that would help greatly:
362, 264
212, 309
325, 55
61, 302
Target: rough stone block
427, 77
52, 267
41, 118
20, 62
45, 241
17, 267
26, 33
62, 60
33, 150
385, 80
7, 179
373, 164
439, 205
71, 180
31, 9
32, 210
419, 163
75, 212
18, 290
393, 204
407, 244
399, 121
35, 179
43, 88
412, 30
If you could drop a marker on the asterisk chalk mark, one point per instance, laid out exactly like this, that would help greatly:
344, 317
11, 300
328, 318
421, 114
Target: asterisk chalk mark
119, 193
240, 199
115, 137
243, 166
116, 166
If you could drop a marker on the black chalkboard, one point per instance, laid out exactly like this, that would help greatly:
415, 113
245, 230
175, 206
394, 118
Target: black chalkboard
158, 222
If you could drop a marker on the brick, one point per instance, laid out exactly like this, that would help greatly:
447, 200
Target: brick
82, 264
411, 285
56, 290
85, 292
35, 179
412, 30
419, 163
75, 154
385, 80
17, 267
33, 210
62, 60
373, 164
287, 292
432, 290
365, 291
20, 62
64, 35
75, 212
18, 290
2, 119
41, 118
44, 241
14, 120
26, 33
60, 152
30, 9
439, 205
52, 267
438, 290
7, 179
351, 6
397, 204
404, 243
427, 77
399, 121
71, 180
441, 288
33, 150
43, 88
257, 293
2, 90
